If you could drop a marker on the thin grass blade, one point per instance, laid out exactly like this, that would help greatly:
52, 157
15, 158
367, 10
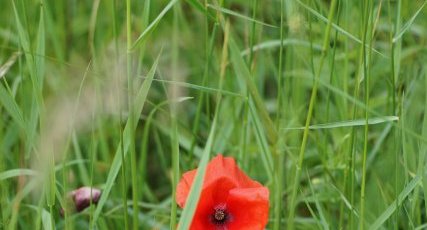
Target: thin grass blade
153, 24
232, 13
244, 75
16, 172
276, 43
195, 191
9, 63
408, 24
392, 208
11, 107
340, 124
338, 28
196, 4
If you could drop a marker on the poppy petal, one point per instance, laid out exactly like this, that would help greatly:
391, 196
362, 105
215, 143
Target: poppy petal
219, 168
249, 207
183, 188
226, 167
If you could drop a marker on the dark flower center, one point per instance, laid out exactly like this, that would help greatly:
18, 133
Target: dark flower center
220, 216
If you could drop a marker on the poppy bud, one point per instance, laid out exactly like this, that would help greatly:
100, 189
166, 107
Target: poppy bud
81, 198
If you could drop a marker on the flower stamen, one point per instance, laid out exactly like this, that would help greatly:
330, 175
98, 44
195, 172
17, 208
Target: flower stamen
220, 216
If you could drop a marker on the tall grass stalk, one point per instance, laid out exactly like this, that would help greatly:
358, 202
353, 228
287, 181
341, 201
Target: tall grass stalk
209, 47
174, 115
131, 119
280, 155
394, 106
366, 59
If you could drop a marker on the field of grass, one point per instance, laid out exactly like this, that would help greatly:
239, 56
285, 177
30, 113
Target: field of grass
322, 101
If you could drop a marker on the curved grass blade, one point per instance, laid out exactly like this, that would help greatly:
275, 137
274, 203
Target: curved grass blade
232, 13
199, 87
17, 172
276, 43
340, 124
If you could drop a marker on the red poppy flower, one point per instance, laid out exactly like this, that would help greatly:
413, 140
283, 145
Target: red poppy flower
229, 199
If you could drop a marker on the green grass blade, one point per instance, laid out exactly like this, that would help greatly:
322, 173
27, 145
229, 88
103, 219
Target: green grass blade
117, 161
40, 49
323, 221
184, 138
46, 220
361, 105
23, 39
153, 24
408, 24
11, 107
232, 13
266, 154
392, 208
338, 28
270, 44
340, 124
17, 172
196, 4
6, 66
44, 216
175, 168
244, 75
200, 87
196, 188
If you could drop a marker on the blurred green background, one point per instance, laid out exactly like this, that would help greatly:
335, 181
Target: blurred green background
122, 96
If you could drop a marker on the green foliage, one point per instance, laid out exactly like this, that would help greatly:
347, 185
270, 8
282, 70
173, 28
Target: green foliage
324, 102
